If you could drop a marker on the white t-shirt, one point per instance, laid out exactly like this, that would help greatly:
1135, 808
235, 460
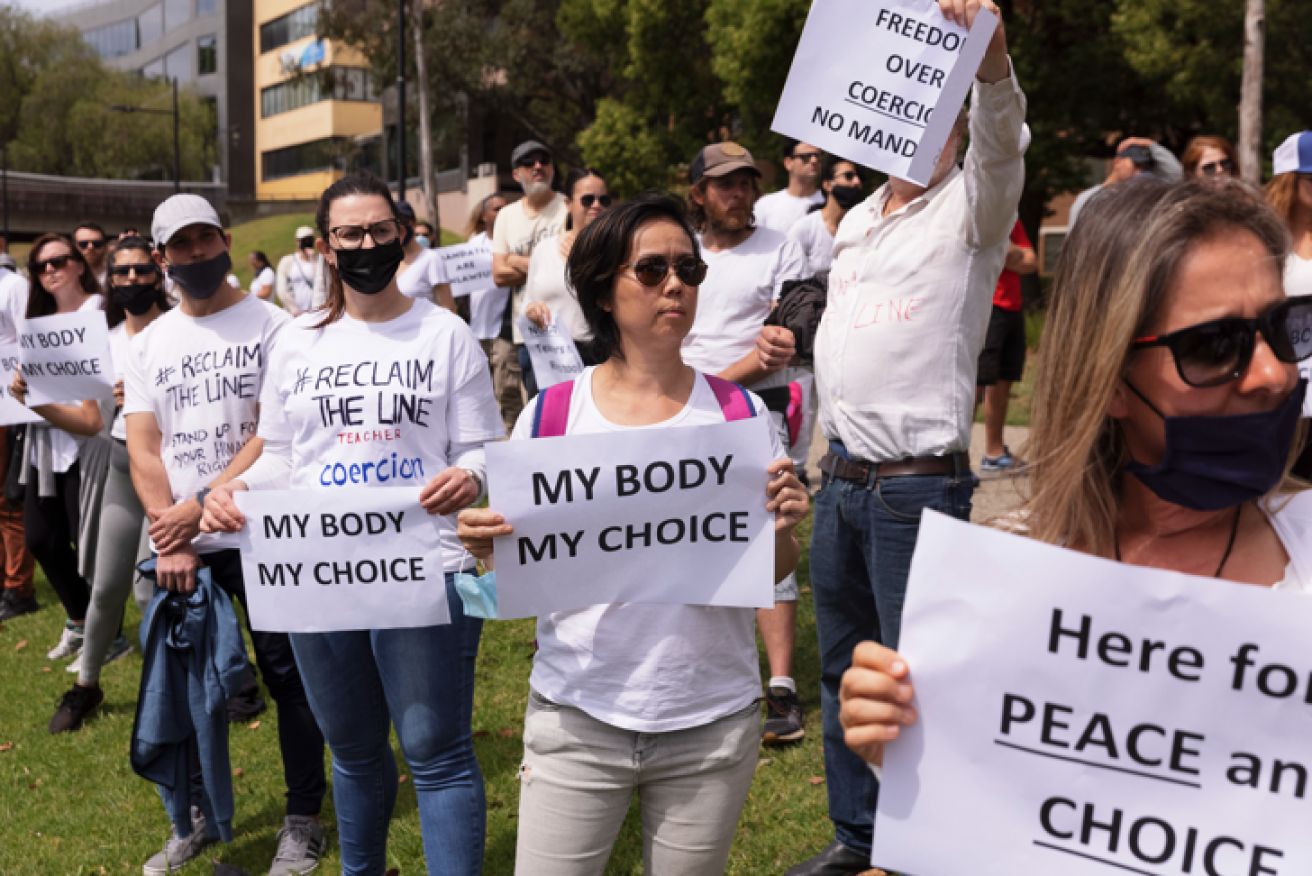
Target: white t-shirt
812, 235
120, 348
300, 276
265, 279
546, 283
201, 378
421, 392
1298, 275
781, 211
737, 295
486, 305
647, 668
427, 271
13, 306
516, 234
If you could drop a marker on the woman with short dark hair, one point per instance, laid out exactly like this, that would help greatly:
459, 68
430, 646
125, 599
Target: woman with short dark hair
657, 699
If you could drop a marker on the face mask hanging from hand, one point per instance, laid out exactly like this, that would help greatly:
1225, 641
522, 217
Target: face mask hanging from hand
201, 280
369, 271
479, 594
1214, 463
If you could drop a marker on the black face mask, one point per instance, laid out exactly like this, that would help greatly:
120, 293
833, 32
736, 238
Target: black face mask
201, 280
135, 298
846, 197
369, 271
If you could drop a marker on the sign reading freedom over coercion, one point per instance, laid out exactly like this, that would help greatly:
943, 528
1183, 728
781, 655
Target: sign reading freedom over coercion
552, 351
673, 516
880, 83
468, 267
65, 358
319, 561
1089, 718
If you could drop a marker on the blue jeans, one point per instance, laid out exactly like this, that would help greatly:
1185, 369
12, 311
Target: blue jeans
861, 546
422, 681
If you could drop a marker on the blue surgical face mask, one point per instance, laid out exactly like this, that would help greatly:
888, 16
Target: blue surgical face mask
422, 240
1214, 463
479, 594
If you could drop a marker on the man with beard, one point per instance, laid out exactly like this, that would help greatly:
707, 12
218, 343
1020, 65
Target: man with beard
747, 270
540, 213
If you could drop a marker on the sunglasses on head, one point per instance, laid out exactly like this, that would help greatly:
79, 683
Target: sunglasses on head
126, 270
90, 244
533, 161
58, 262
653, 270
1217, 352
1212, 168
588, 200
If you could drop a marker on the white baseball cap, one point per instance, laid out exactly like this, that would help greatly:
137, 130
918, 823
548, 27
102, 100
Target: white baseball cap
177, 213
1294, 155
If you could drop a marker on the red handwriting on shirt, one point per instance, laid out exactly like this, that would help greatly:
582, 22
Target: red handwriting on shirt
368, 435
884, 312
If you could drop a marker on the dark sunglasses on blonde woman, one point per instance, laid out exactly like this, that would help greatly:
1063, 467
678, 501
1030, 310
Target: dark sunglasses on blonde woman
652, 271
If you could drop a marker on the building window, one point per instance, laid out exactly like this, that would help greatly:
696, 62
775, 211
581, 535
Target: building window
304, 158
113, 40
335, 83
155, 69
289, 28
177, 64
150, 24
176, 14
205, 7
207, 54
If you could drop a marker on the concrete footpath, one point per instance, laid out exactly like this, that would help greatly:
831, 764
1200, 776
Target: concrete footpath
996, 494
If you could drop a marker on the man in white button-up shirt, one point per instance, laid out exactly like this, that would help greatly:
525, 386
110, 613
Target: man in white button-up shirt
895, 358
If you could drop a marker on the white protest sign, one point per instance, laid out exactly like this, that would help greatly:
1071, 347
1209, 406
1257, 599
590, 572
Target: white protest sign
65, 358
12, 411
468, 267
552, 351
1084, 717
653, 515
880, 82
320, 561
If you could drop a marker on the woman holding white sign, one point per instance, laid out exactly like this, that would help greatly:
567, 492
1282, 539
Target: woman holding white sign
1164, 432
61, 282
658, 699
547, 296
400, 396
136, 298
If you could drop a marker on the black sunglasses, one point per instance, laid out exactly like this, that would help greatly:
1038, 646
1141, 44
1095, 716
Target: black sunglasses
588, 200
806, 156
92, 244
58, 262
126, 270
652, 271
533, 161
1217, 352
1212, 168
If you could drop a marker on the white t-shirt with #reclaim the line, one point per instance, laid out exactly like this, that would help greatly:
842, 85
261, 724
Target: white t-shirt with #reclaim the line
644, 667
781, 211
357, 404
201, 378
427, 271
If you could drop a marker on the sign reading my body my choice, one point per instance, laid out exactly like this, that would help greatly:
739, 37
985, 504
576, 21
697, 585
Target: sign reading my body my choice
12, 411
319, 561
653, 515
65, 358
880, 82
1084, 717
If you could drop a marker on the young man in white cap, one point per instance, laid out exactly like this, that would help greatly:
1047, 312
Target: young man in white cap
192, 385
302, 282
747, 269
540, 213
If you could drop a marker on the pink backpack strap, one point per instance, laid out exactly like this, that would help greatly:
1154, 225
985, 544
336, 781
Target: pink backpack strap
552, 414
734, 400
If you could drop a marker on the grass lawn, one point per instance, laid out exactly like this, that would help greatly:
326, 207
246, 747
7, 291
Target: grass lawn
275, 236
72, 805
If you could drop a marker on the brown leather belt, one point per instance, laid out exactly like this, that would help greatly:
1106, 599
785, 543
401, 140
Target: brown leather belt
860, 472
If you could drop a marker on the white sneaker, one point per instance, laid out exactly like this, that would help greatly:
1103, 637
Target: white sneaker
120, 647
178, 852
70, 643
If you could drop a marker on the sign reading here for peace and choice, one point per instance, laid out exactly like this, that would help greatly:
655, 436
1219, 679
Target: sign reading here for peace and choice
1088, 718
879, 82
468, 267
65, 358
672, 516
552, 351
319, 561
12, 411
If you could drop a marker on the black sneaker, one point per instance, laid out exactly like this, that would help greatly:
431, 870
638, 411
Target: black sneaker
836, 860
783, 717
76, 705
12, 606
